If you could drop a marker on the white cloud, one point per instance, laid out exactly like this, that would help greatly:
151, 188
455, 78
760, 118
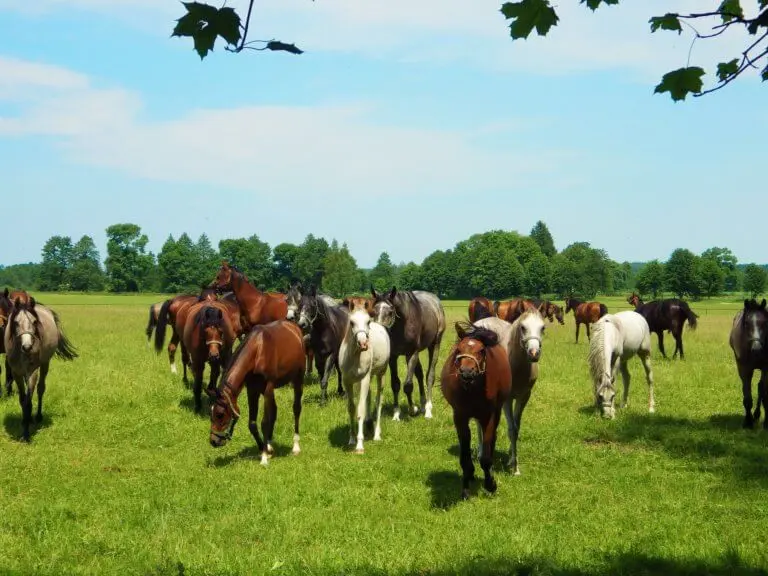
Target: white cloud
335, 150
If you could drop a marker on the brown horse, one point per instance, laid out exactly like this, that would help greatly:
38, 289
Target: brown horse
511, 310
586, 313
476, 380
6, 307
256, 307
208, 336
154, 314
480, 307
271, 356
550, 310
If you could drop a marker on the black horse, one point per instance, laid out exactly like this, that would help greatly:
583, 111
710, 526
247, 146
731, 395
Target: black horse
668, 314
749, 342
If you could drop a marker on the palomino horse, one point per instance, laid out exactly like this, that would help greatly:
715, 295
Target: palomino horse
32, 337
271, 356
476, 381
154, 314
293, 300
480, 307
749, 341
617, 338
549, 310
511, 310
522, 341
169, 314
256, 307
586, 313
364, 353
668, 314
415, 320
208, 336
325, 325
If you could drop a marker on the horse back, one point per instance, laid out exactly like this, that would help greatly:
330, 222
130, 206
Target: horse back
277, 351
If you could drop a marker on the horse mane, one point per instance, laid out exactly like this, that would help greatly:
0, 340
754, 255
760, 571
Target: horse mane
488, 337
596, 357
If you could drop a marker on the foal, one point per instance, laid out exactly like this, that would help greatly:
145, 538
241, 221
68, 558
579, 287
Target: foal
476, 381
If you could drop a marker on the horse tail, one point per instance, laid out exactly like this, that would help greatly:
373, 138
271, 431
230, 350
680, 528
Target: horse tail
65, 350
152, 322
162, 322
689, 315
603, 310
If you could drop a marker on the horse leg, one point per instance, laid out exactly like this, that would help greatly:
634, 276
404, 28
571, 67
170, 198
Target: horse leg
645, 358
514, 429
625, 378
362, 401
172, 351
268, 422
41, 391
310, 359
679, 339
489, 446
418, 373
327, 367
298, 391
214, 375
25, 399
408, 385
379, 393
185, 361
339, 386
395, 386
578, 325
745, 373
660, 334
479, 429
253, 412
760, 400
589, 335
8, 378
432, 351
351, 411
197, 387
461, 423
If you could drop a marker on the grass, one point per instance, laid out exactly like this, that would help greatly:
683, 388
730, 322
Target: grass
120, 478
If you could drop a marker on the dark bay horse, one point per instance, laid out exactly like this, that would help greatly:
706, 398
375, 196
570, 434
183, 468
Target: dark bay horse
293, 300
749, 341
271, 357
154, 314
208, 337
326, 325
549, 310
585, 313
256, 307
32, 337
6, 307
511, 310
476, 381
480, 307
668, 314
415, 320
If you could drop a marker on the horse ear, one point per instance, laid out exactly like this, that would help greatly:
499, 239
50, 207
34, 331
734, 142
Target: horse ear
373, 292
32, 303
762, 304
460, 330
346, 302
393, 293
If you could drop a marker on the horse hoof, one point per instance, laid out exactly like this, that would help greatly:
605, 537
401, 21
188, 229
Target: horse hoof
359, 451
465, 494
377, 437
296, 451
396, 417
651, 410
264, 460
491, 486
517, 472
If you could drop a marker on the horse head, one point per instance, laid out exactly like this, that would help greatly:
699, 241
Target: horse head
223, 280
25, 325
359, 323
558, 313
531, 331
224, 415
470, 357
307, 310
384, 311
293, 299
755, 326
211, 322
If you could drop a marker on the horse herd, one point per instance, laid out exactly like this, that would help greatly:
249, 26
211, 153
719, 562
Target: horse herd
492, 366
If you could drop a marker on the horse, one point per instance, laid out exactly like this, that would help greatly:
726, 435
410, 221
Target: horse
522, 341
169, 315
271, 356
6, 307
415, 320
617, 339
325, 325
585, 313
511, 310
208, 336
293, 300
668, 314
549, 310
476, 381
32, 337
748, 340
364, 353
256, 307
480, 307
154, 314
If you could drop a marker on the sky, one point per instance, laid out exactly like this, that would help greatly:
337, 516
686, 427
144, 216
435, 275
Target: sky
405, 127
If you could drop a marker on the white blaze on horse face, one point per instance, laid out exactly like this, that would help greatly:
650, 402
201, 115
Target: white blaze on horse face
532, 332
359, 322
753, 328
385, 314
25, 329
291, 314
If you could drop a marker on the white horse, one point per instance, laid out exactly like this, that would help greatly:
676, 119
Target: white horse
364, 353
522, 342
616, 338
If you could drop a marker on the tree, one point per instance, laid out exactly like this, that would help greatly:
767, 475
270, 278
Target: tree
650, 279
206, 260
341, 276
728, 262
128, 265
178, 266
310, 259
538, 275
85, 273
21, 276
712, 277
285, 256
382, 276
57, 260
525, 15
252, 257
565, 276
439, 273
755, 280
682, 274
540, 234
409, 277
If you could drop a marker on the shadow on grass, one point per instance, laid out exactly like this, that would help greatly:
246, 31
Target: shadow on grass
12, 423
718, 444
188, 404
338, 437
249, 453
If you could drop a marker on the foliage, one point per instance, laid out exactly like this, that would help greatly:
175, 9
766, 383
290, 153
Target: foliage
21, 276
251, 256
310, 260
541, 235
85, 274
755, 280
128, 265
712, 277
56, 262
341, 275
650, 279
681, 274
382, 276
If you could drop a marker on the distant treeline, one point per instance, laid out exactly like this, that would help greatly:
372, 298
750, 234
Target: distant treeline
497, 264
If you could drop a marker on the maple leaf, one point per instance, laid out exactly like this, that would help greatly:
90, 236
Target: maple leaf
667, 22
730, 9
594, 4
679, 83
726, 69
527, 15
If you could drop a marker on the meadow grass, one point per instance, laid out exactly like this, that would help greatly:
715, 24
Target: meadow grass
120, 477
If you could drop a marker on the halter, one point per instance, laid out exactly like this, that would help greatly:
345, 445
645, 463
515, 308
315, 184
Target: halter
480, 370
235, 415
209, 342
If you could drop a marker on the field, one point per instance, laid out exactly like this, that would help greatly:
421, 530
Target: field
120, 478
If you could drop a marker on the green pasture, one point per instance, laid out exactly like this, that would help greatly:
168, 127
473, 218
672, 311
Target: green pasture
120, 477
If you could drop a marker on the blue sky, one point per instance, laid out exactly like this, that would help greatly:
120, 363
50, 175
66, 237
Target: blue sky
405, 127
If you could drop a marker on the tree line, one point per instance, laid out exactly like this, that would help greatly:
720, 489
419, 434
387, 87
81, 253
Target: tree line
497, 264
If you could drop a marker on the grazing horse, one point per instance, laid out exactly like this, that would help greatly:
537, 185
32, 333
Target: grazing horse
511, 310
668, 314
617, 338
154, 314
32, 337
293, 300
364, 353
749, 341
208, 336
415, 320
271, 356
480, 307
522, 341
256, 307
549, 310
325, 325
586, 313
476, 380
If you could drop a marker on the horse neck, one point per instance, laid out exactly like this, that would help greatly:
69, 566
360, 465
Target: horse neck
246, 293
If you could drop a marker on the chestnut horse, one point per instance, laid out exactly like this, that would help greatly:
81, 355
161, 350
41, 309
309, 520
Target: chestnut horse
549, 310
586, 313
208, 336
511, 310
271, 357
256, 307
480, 307
476, 382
